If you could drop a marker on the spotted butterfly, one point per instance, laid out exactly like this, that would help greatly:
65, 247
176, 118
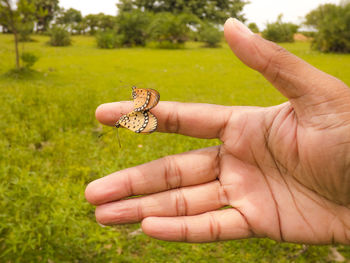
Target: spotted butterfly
140, 120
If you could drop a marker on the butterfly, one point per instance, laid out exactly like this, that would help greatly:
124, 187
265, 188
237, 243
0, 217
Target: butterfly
140, 120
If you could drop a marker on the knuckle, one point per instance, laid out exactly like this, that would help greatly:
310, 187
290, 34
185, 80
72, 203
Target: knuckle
172, 173
172, 122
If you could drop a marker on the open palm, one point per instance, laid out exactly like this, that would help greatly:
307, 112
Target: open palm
284, 171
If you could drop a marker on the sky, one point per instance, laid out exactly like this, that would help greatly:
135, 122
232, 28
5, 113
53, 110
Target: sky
258, 11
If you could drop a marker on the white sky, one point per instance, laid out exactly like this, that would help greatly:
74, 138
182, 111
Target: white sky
258, 11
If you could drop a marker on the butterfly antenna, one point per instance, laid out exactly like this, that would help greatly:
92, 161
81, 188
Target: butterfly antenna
120, 145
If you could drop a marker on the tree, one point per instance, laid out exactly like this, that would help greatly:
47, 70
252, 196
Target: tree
14, 17
45, 12
132, 27
95, 22
253, 27
106, 22
171, 28
212, 10
280, 31
70, 18
91, 22
210, 35
332, 25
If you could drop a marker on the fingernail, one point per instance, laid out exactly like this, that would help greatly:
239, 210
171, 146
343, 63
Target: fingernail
240, 26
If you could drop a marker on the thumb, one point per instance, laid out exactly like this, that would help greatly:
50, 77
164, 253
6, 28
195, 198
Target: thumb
306, 87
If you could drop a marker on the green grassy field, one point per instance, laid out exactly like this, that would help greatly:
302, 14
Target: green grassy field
50, 150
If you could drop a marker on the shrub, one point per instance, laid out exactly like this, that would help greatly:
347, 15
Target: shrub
29, 59
167, 27
253, 27
332, 23
59, 36
132, 27
109, 39
280, 31
210, 35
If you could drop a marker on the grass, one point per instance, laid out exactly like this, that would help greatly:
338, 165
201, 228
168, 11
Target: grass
50, 150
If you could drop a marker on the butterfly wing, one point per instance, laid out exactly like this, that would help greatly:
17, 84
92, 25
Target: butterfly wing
139, 122
152, 123
144, 99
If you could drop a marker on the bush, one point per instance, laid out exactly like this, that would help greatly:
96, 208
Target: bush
253, 27
109, 39
59, 36
167, 27
132, 28
210, 35
332, 23
29, 59
280, 31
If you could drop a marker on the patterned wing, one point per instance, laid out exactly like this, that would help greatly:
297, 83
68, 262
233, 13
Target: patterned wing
144, 99
139, 122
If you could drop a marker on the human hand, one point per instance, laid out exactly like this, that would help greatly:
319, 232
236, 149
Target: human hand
284, 170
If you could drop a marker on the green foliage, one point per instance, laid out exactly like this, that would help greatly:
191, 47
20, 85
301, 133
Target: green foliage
106, 22
71, 19
50, 150
29, 59
91, 22
310, 34
108, 39
170, 28
210, 35
25, 30
99, 22
132, 26
332, 23
253, 27
212, 10
280, 31
59, 36
45, 12
69, 16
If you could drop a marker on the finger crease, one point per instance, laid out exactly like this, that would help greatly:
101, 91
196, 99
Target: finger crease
215, 228
180, 203
184, 230
129, 185
140, 214
222, 195
172, 174
172, 122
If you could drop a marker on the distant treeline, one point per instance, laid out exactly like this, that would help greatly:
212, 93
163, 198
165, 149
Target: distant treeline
169, 23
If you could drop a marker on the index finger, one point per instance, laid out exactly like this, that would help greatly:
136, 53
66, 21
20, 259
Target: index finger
193, 119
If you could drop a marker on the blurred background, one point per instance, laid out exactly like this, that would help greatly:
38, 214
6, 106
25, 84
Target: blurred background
59, 60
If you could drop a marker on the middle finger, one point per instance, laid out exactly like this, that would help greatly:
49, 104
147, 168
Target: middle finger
191, 168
